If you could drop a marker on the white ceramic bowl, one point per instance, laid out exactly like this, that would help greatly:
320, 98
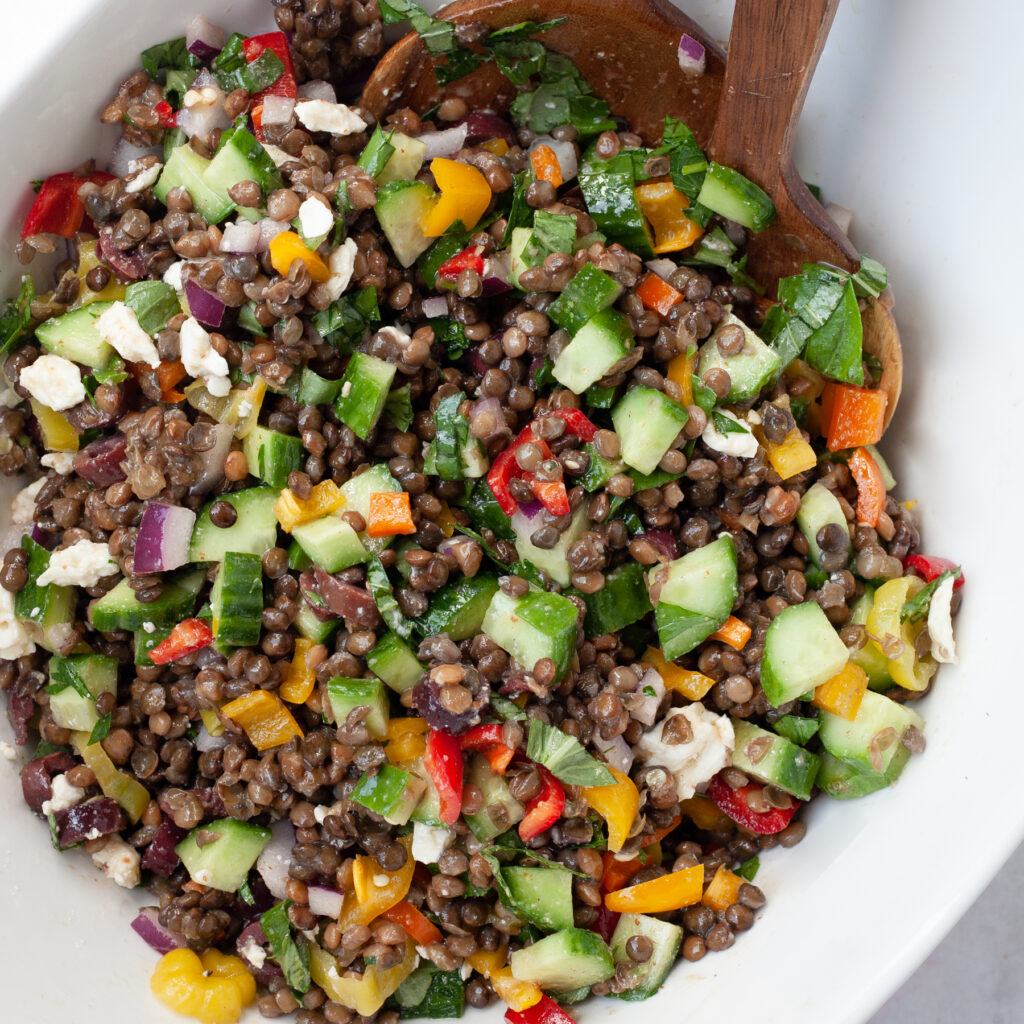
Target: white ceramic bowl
912, 122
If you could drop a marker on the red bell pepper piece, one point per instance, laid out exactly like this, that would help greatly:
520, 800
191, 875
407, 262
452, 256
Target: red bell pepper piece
543, 810
487, 739
550, 493
166, 113
547, 1011
471, 258
443, 761
931, 567
57, 210
733, 802
576, 422
187, 637
285, 84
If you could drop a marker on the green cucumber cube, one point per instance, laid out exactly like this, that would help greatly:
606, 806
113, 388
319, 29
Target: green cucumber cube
819, 507
843, 781
254, 530
330, 543
754, 366
272, 456
221, 853
872, 742
312, 628
775, 760
567, 959
542, 895
71, 709
590, 291
552, 560
405, 163
186, 168
394, 662
648, 423
236, 600
595, 348
75, 336
364, 391
735, 197
345, 695
389, 792
459, 608
535, 626
801, 651
357, 490
500, 810
649, 976
400, 209
622, 601
121, 609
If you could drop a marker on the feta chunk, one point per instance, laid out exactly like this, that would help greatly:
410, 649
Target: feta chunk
144, 176
7, 751
940, 624
742, 445
23, 508
695, 762
62, 462
253, 953
118, 861
429, 842
201, 360
315, 218
64, 795
15, 641
83, 564
172, 276
323, 116
54, 381
119, 327
341, 263
149, 627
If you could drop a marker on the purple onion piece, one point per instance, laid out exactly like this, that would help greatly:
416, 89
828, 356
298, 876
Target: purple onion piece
41, 537
276, 857
482, 125
159, 857
496, 275
476, 362
318, 90
347, 600
483, 412
435, 306
263, 968
100, 462
531, 510
692, 57
445, 142
618, 753
240, 236
269, 230
206, 307
204, 39
652, 690
664, 541
89, 821
36, 776
325, 902
147, 925
278, 109
664, 268
211, 801
164, 535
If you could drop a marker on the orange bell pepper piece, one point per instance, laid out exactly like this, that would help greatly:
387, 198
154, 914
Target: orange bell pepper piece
870, 486
723, 891
669, 892
376, 890
465, 196
790, 456
680, 372
704, 814
618, 872
659, 296
446, 520
853, 416
406, 739
519, 995
288, 247
292, 511
301, 679
499, 147
664, 205
545, 165
390, 513
842, 694
692, 685
266, 721
617, 804
734, 632
416, 926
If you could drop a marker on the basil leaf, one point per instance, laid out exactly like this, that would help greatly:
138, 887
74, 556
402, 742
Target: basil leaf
703, 396
748, 869
446, 444
518, 215
245, 894
796, 728
64, 674
153, 303
171, 54
871, 278
565, 757
398, 407
451, 335
252, 76
343, 322
687, 162
101, 730
528, 571
836, 348
292, 956
917, 607
438, 36
379, 585
457, 64
17, 315
726, 424
522, 30
785, 333
552, 232
507, 710
377, 153
518, 59
813, 294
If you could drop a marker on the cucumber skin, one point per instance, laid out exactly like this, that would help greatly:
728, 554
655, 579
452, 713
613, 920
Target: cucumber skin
537, 625
369, 380
394, 662
254, 532
647, 422
74, 336
622, 601
237, 600
667, 938
567, 959
241, 842
542, 895
590, 291
786, 764
459, 608
842, 781
785, 682
119, 608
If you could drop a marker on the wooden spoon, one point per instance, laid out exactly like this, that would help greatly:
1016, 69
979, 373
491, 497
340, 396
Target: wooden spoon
743, 112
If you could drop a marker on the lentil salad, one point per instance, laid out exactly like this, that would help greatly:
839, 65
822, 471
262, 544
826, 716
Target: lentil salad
709, 493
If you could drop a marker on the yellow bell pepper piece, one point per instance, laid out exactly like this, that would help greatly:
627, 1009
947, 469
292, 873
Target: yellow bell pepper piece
842, 694
213, 988
704, 814
58, 434
669, 892
499, 147
301, 678
446, 520
519, 995
692, 685
617, 804
376, 890
288, 247
664, 205
680, 370
790, 456
465, 196
723, 891
405, 739
895, 638
292, 511
367, 992
87, 260
266, 721
130, 794
214, 726
243, 407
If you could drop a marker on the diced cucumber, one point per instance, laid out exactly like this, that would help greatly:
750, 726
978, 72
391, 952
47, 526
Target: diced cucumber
121, 609
648, 423
500, 809
236, 600
401, 208
542, 895
870, 656
600, 470
254, 530
394, 661
272, 456
801, 651
730, 194
389, 792
51, 608
535, 626
819, 507
696, 596
428, 810
595, 348
75, 336
186, 168
331, 543
345, 695
459, 608
571, 958
364, 391
552, 560
750, 369
357, 490
609, 189
310, 627
516, 249
649, 976
316, 390
241, 158
221, 853
71, 709
406, 160
622, 601
843, 781
590, 291
774, 759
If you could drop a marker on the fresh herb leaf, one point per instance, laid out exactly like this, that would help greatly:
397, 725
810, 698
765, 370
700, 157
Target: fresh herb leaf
398, 407
518, 215
248, 322
726, 424
245, 894
786, 333
836, 348
565, 757
101, 730
703, 396
377, 153
917, 607
522, 30
379, 585
451, 335
552, 232
291, 954
153, 303
438, 36
232, 71
51, 821
488, 550
447, 444
171, 54
748, 869
687, 162
528, 571
813, 294
871, 278
518, 59
796, 728
179, 81
544, 375
17, 315
507, 710
343, 322
64, 674
457, 64
44, 747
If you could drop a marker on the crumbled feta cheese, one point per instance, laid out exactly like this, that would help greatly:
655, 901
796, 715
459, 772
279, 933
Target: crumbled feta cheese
254, 953
14, 639
341, 263
201, 360
62, 462
322, 116
429, 842
465, 971
119, 327
93, 833
83, 564
346, 389
692, 763
54, 381
149, 627
742, 445
144, 176
244, 409
7, 751
315, 218
172, 276
940, 624
322, 811
380, 881
118, 861
64, 795
23, 508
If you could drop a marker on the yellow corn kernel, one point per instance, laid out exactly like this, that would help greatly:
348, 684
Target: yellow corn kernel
841, 695
723, 891
692, 685
266, 721
292, 511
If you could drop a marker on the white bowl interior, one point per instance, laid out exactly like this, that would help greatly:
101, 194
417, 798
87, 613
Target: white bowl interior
900, 127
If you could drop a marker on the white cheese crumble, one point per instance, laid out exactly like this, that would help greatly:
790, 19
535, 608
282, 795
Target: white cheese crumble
429, 842
149, 627
62, 462
742, 445
172, 276
254, 953
64, 795
341, 263
7, 751
144, 176
118, 861
15, 641
83, 564
201, 360
346, 389
119, 327
23, 508
315, 218
940, 624
695, 762
54, 381
323, 116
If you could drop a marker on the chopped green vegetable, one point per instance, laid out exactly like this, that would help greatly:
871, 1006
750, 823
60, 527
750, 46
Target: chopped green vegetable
564, 757
291, 953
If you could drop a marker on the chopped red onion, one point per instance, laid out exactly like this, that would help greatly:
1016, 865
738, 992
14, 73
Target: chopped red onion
160, 856
274, 861
435, 306
160, 937
662, 267
476, 361
530, 510
496, 275
318, 90
482, 125
206, 307
565, 153
213, 458
240, 236
40, 536
164, 535
269, 230
445, 142
692, 58
253, 947
325, 902
842, 215
204, 39
617, 752
647, 711
277, 109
